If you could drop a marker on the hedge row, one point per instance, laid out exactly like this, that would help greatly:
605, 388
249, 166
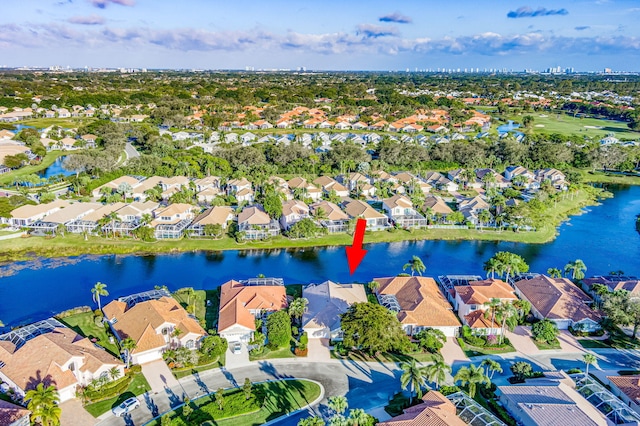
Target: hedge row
109, 390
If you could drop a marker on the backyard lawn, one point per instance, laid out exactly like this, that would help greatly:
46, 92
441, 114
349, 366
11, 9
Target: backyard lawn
84, 325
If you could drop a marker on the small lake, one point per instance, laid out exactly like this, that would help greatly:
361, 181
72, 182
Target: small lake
509, 127
604, 237
57, 168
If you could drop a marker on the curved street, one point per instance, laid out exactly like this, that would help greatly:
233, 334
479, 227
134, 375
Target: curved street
366, 385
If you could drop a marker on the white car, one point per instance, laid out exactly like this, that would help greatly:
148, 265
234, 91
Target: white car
236, 348
127, 406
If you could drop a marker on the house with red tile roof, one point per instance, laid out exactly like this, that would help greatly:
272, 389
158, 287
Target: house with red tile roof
419, 303
470, 303
435, 410
152, 325
241, 304
14, 415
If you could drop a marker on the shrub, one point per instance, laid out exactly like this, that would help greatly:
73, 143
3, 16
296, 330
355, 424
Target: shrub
501, 412
574, 371
448, 390
109, 390
278, 329
304, 339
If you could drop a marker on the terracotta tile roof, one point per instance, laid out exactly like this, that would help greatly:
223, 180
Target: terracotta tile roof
331, 210
359, 208
436, 410
297, 182
421, 301
46, 357
141, 321
236, 301
477, 319
10, 413
629, 385
480, 292
557, 298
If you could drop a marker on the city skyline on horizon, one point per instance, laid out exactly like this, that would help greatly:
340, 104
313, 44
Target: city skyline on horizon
587, 35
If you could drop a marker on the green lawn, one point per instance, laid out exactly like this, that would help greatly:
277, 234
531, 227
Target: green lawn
199, 301
189, 371
269, 401
471, 351
550, 122
138, 386
84, 325
545, 346
601, 177
592, 344
67, 123
273, 354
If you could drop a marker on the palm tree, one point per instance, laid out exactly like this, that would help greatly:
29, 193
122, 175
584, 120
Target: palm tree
374, 286
43, 403
189, 292
554, 272
129, 345
577, 269
114, 373
484, 217
437, 372
473, 376
491, 367
1, 324
493, 305
298, 307
506, 311
414, 376
338, 404
416, 265
311, 421
357, 417
493, 267
588, 360
99, 289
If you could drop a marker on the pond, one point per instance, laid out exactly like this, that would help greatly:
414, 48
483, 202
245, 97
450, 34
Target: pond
57, 168
605, 238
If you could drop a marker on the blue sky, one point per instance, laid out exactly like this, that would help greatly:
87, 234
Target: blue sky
329, 34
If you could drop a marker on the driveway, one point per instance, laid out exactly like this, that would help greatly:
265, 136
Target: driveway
318, 350
237, 360
453, 353
569, 343
74, 415
159, 376
520, 338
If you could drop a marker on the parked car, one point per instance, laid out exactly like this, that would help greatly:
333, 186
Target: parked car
127, 406
237, 348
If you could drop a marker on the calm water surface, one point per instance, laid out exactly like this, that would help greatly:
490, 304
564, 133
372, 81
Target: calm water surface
604, 237
57, 168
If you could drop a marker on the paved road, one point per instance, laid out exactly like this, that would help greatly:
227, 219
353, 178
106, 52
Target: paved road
366, 385
130, 151
338, 378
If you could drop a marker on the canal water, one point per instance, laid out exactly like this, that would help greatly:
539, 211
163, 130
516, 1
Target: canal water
604, 237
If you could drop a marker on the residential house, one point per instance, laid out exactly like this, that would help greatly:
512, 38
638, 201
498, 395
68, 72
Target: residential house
419, 303
241, 303
627, 388
155, 321
440, 182
401, 211
613, 283
376, 221
545, 401
558, 300
68, 144
459, 176
90, 222
170, 222
557, 178
353, 180
218, 215
330, 216
236, 185
64, 216
171, 185
6, 134
131, 216
293, 211
470, 301
14, 415
329, 184
513, 171
28, 214
470, 207
436, 205
90, 140
113, 185
327, 301
50, 353
492, 179
256, 224
434, 410
10, 147
307, 189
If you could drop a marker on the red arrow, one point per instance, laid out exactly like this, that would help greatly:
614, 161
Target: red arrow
355, 253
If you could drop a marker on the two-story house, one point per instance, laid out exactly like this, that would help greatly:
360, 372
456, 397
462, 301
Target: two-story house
376, 221
293, 211
472, 301
401, 211
171, 221
256, 224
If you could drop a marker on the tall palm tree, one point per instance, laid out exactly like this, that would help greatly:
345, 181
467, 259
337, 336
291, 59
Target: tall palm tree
129, 345
416, 265
114, 373
577, 269
338, 404
413, 378
473, 376
374, 286
437, 372
506, 311
312, 421
358, 417
99, 289
43, 403
491, 366
492, 306
588, 360
554, 272
493, 267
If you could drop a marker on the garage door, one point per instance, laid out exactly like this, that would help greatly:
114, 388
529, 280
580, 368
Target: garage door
144, 358
318, 333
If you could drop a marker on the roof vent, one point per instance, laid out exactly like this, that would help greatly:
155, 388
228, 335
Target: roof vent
2, 364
